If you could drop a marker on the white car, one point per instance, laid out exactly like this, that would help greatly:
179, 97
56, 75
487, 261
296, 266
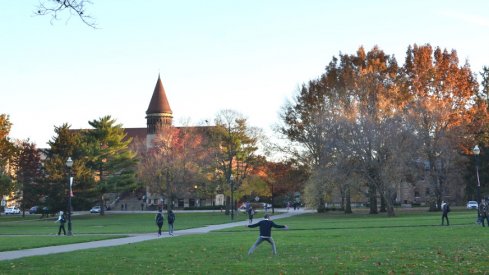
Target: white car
472, 205
12, 210
95, 209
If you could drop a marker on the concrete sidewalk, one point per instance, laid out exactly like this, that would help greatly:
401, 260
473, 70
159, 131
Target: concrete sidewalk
16, 254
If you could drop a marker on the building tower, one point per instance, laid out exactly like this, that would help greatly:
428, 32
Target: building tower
159, 115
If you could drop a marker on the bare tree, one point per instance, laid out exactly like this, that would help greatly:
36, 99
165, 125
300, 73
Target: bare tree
56, 8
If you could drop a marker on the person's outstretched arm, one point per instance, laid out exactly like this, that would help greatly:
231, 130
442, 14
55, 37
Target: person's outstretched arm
279, 226
252, 225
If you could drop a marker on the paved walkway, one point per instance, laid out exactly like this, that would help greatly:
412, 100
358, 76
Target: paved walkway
16, 254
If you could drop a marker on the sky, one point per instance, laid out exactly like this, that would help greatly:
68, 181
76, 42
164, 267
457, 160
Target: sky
249, 56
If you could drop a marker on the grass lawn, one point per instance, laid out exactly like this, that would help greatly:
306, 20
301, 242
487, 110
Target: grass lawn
9, 243
17, 232
109, 223
411, 243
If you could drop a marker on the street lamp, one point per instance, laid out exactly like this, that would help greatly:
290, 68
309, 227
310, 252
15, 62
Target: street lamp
232, 198
273, 209
69, 164
477, 151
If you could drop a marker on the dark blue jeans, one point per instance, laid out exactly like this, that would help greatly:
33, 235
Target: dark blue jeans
159, 227
61, 226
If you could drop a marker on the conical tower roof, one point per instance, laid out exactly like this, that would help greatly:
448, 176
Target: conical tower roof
159, 102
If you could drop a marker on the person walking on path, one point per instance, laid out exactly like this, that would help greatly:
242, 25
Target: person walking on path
483, 213
171, 220
445, 208
61, 219
265, 233
251, 212
159, 221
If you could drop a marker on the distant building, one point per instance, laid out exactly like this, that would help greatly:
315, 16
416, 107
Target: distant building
159, 117
420, 192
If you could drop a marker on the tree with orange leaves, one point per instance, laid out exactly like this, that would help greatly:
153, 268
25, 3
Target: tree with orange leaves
369, 120
447, 111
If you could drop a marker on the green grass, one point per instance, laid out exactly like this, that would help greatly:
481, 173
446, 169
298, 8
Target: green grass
411, 243
9, 243
110, 223
17, 232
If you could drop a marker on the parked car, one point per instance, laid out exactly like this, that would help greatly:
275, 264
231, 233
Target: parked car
12, 210
472, 205
34, 210
95, 209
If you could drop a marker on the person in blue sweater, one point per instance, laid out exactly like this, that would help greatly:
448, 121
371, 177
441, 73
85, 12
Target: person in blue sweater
265, 233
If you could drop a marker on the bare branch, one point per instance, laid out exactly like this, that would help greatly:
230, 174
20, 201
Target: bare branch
74, 7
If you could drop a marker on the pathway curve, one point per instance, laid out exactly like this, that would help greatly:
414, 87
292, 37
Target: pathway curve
16, 254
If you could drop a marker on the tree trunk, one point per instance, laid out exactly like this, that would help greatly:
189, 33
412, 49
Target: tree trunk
390, 210
321, 207
372, 193
102, 206
228, 206
169, 203
382, 204
389, 203
348, 200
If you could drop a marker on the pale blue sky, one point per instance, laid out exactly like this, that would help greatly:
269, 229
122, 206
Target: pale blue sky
249, 56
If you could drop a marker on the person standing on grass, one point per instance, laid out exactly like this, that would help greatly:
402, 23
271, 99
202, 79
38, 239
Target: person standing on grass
483, 212
61, 219
159, 221
171, 220
265, 233
445, 208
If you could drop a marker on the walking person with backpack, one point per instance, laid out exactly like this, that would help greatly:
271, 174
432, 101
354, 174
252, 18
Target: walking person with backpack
445, 208
61, 219
171, 220
159, 221
483, 212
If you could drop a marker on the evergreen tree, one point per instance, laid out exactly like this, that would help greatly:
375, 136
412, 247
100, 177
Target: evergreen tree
111, 162
29, 175
66, 143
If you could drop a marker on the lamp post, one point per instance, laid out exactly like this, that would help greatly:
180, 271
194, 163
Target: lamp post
477, 151
69, 164
273, 209
196, 196
231, 185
